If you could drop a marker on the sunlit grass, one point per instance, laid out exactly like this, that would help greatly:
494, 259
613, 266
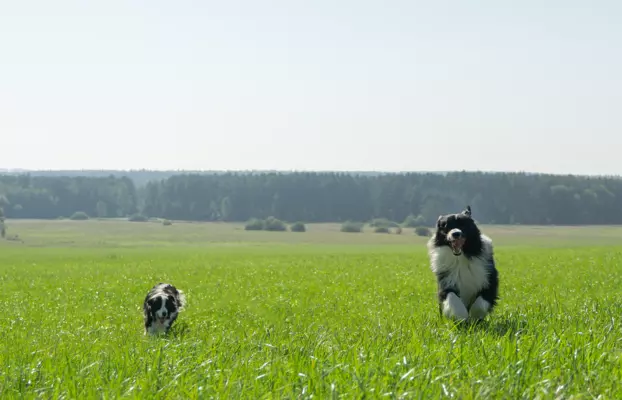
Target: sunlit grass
305, 321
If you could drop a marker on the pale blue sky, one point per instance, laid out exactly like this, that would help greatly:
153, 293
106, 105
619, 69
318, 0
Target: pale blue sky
312, 85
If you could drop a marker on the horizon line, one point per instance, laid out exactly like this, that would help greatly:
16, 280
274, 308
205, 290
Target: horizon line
380, 172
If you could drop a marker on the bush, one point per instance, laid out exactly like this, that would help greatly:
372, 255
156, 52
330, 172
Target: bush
298, 227
381, 229
274, 224
167, 222
412, 222
79, 216
353, 227
138, 218
383, 223
423, 231
398, 230
254, 224
2, 230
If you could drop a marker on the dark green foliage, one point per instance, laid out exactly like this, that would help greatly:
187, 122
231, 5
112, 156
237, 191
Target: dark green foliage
423, 231
254, 224
167, 222
383, 223
138, 218
48, 197
102, 209
79, 216
415, 198
2, 224
412, 222
298, 227
274, 224
381, 229
352, 227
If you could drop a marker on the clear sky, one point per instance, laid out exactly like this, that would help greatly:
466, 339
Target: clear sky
400, 85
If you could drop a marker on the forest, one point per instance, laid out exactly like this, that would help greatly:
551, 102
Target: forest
500, 198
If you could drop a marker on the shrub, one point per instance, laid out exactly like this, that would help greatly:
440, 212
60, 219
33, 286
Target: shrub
381, 229
79, 216
383, 223
167, 222
2, 230
353, 227
254, 224
398, 230
412, 222
138, 218
274, 224
423, 231
298, 227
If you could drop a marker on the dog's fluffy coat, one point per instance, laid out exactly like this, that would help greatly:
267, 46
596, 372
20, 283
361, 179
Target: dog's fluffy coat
462, 260
161, 308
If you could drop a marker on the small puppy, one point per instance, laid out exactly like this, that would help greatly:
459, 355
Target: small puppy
161, 307
462, 260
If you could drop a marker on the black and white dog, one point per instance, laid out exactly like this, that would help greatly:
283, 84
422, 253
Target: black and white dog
161, 307
462, 259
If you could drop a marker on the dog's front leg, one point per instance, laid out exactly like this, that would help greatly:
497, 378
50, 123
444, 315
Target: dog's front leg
479, 309
452, 307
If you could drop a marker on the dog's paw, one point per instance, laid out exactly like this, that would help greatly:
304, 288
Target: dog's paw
479, 309
454, 308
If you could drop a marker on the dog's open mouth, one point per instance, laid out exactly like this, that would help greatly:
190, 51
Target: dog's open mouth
456, 246
162, 320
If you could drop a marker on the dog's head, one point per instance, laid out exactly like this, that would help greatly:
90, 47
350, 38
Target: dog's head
162, 307
459, 232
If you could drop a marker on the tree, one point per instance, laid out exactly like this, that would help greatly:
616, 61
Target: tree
2, 225
298, 227
274, 224
423, 231
102, 209
79, 216
254, 224
352, 227
225, 208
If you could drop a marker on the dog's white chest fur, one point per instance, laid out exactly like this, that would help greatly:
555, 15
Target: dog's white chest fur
468, 275
158, 327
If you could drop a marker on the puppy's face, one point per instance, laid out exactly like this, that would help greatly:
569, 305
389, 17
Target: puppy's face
457, 231
162, 308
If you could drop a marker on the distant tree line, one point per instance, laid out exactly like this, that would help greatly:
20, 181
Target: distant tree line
25, 196
502, 198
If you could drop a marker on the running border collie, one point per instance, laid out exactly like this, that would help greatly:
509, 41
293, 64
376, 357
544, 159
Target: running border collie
161, 308
462, 260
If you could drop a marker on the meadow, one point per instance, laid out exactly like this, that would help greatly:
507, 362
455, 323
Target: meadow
319, 314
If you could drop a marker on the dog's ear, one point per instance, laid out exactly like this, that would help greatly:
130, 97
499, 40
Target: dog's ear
439, 222
467, 212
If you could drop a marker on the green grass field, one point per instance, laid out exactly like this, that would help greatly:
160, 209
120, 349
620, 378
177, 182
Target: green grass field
320, 314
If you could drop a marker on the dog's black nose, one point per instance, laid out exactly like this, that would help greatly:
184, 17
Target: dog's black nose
456, 234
